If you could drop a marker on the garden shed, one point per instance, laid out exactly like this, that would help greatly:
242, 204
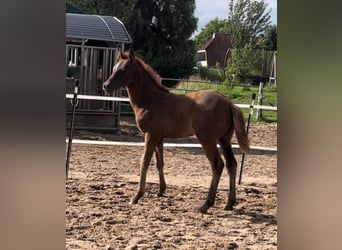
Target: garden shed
92, 42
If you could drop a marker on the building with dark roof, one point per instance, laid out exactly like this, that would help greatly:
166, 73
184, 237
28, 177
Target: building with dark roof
106, 30
92, 42
215, 51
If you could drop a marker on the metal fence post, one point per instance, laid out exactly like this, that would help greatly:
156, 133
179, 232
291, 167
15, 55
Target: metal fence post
74, 104
247, 129
260, 97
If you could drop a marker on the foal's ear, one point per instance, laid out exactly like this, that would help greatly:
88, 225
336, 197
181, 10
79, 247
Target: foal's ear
119, 55
131, 55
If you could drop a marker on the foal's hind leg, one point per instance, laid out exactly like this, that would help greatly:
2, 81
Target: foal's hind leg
217, 165
231, 166
160, 167
144, 163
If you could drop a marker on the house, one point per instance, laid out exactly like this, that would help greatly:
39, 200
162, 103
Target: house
215, 51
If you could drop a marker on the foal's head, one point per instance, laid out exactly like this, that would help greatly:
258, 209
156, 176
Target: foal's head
122, 72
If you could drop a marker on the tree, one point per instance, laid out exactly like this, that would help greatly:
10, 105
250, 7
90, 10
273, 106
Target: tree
247, 20
214, 26
271, 37
161, 30
238, 65
117, 8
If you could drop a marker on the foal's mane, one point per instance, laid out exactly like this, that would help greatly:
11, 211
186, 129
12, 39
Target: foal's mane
155, 78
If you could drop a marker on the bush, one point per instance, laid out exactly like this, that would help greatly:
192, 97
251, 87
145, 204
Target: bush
214, 75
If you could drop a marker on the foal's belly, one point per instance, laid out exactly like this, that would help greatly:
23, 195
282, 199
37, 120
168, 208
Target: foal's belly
178, 128
166, 123
178, 134
165, 129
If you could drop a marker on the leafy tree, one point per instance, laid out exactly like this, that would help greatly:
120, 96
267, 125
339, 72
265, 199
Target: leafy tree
214, 26
161, 31
247, 20
238, 65
271, 37
117, 8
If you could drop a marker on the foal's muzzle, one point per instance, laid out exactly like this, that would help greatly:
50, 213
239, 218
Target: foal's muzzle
106, 88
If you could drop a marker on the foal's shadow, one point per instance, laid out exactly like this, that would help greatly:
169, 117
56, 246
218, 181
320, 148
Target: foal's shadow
254, 213
256, 217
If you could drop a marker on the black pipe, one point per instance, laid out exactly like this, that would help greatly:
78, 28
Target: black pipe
74, 103
248, 122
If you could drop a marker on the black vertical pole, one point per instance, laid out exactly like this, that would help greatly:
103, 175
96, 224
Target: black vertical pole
74, 103
248, 122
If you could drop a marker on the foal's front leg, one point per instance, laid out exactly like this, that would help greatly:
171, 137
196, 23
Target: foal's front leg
144, 163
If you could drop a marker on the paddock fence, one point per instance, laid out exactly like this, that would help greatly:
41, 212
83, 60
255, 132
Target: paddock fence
260, 149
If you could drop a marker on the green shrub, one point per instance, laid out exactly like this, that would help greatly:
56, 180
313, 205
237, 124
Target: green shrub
214, 75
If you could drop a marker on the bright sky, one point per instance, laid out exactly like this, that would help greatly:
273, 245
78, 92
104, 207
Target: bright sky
207, 10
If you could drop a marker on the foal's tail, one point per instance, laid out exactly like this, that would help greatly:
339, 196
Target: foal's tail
239, 126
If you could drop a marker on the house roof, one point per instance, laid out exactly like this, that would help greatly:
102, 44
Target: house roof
217, 49
96, 27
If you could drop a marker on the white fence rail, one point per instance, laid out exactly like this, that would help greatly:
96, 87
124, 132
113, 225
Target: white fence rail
171, 145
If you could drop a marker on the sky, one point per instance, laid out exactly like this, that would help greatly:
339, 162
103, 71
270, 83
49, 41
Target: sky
206, 10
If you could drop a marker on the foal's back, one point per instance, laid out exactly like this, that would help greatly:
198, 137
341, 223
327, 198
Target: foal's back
212, 114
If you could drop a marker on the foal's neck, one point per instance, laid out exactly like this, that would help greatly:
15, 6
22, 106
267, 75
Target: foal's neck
143, 91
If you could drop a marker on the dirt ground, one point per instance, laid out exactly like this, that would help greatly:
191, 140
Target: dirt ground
102, 180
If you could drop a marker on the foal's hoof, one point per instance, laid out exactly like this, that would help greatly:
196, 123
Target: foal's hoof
136, 198
134, 201
229, 206
203, 209
160, 193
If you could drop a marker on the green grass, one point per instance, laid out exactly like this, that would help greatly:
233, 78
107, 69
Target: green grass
238, 95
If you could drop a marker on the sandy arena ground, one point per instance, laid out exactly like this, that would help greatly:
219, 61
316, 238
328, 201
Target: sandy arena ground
102, 180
